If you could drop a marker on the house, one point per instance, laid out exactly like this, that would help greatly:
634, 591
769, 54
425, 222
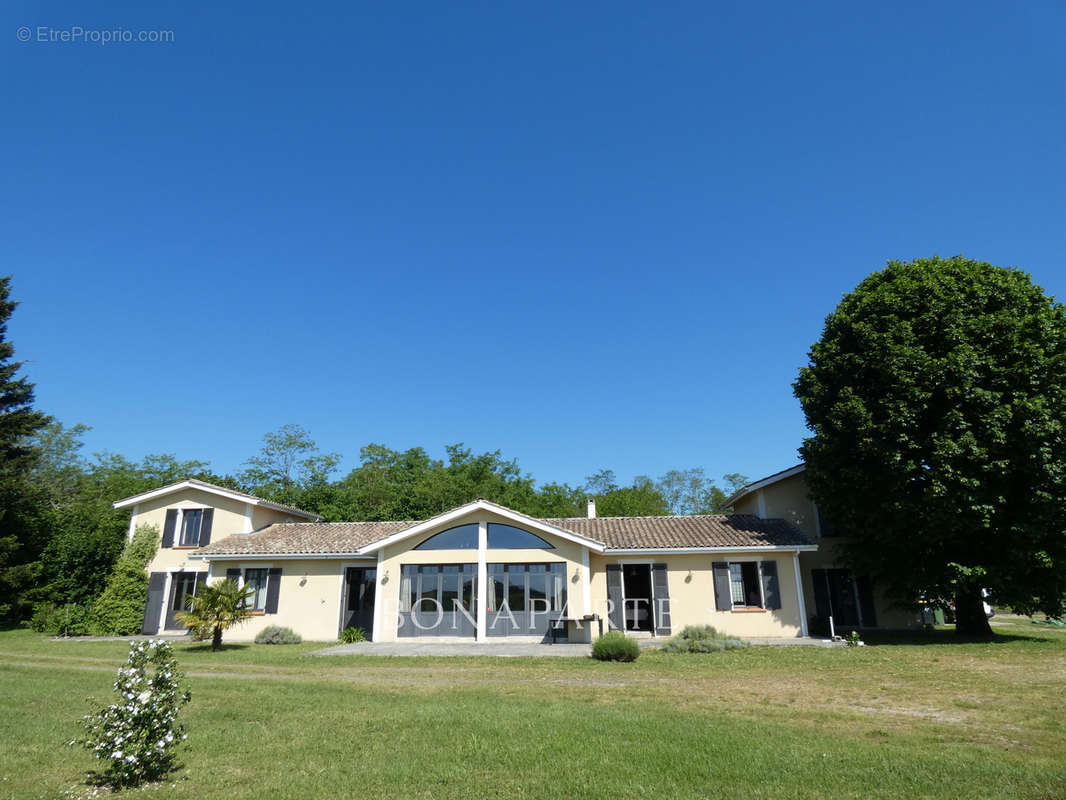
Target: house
480, 571
853, 601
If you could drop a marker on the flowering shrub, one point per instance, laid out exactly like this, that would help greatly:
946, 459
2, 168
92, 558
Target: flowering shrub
137, 736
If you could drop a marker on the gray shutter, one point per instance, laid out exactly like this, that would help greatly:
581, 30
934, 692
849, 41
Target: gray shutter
723, 592
614, 596
660, 589
866, 601
273, 590
205, 526
201, 579
169, 526
153, 605
771, 591
234, 575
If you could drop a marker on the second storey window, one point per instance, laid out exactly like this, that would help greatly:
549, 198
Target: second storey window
257, 579
191, 520
187, 527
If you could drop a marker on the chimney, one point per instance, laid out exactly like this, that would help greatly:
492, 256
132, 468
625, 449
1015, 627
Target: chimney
592, 509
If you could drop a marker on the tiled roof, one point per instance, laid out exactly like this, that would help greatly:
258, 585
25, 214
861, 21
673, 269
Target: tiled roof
261, 501
616, 533
711, 530
312, 538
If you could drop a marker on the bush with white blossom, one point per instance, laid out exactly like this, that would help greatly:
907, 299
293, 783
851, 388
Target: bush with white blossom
138, 735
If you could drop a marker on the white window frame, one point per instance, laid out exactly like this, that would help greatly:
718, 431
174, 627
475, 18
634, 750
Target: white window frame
266, 585
181, 526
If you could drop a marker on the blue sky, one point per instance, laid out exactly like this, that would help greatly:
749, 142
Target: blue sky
590, 235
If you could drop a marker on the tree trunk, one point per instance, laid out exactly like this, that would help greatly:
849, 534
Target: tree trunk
216, 639
970, 619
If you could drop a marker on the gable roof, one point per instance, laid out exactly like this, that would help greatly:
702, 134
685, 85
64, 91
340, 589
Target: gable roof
767, 481
544, 526
210, 488
707, 533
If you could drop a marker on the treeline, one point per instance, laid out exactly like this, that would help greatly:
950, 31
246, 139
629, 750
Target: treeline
60, 539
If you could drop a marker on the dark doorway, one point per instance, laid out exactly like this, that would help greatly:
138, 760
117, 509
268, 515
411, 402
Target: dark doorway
836, 595
182, 584
636, 586
360, 585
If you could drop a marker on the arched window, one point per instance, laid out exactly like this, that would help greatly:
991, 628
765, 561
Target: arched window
508, 537
462, 537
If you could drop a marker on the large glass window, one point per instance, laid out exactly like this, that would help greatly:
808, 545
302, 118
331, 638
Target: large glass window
257, 579
422, 587
427, 591
408, 587
463, 537
557, 586
516, 587
449, 593
508, 537
538, 595
190, 527
497, 586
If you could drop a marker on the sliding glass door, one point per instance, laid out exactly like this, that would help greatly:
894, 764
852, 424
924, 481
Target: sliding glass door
438, 600
524, 599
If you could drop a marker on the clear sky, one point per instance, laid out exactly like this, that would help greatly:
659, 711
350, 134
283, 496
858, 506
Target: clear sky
590, 235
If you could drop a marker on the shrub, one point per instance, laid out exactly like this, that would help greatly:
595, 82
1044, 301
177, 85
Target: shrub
353, 635
615, 646
137, 736
119, 610
702, 639
71, 619
275, 634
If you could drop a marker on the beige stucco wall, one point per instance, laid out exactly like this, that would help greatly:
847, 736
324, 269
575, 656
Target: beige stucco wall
230, 517
787, 499
691, 583
309, 597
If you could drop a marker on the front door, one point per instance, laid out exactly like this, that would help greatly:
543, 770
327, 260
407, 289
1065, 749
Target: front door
636, 584
182, 584
359, 589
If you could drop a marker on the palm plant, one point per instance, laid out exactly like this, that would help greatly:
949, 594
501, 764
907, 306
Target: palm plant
218, 606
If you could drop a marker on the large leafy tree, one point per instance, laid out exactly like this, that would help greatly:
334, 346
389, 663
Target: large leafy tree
288, 463
22, 533
936, 398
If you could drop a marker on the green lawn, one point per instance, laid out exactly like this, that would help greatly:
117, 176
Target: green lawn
923, 717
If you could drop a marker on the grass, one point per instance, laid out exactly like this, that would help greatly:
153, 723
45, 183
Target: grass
906, 717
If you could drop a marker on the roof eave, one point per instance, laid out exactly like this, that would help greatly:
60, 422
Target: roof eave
171, 488
760, 548
769, 480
